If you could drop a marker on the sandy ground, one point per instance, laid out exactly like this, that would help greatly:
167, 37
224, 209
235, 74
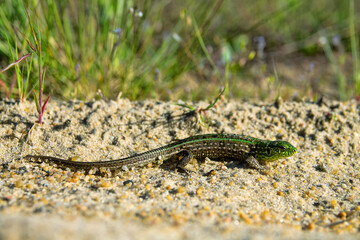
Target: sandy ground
312, 195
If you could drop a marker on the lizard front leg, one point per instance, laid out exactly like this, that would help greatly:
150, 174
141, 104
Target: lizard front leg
254, 163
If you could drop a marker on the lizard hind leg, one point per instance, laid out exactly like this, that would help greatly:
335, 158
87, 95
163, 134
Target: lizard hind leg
179, 161
183, 158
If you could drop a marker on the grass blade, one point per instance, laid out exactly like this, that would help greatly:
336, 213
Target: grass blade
32, 28
36, 101
14, 63
46, 101
354, 48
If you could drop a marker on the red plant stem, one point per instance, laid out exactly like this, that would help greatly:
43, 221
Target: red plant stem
40, 94
40, 83
2, 84
12, 84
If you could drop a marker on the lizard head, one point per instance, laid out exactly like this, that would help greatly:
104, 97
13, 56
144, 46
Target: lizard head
274, 150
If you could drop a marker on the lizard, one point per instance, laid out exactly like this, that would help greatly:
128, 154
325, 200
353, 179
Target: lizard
218, 147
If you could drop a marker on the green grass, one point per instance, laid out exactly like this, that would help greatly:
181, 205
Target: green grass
177, 49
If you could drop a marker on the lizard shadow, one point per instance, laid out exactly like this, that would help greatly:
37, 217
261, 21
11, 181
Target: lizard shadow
170, 165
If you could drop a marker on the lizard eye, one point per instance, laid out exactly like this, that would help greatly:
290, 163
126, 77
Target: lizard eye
268, 151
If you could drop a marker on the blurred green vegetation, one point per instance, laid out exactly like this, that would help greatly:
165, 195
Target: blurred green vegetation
170, 49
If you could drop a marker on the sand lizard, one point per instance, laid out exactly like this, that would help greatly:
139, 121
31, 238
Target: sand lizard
218, 147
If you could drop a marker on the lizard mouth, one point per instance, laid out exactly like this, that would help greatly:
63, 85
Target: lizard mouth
294, 151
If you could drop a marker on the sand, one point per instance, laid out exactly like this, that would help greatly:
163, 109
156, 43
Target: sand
312, 195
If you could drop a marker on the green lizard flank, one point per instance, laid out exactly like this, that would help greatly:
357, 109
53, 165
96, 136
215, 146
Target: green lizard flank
218, 147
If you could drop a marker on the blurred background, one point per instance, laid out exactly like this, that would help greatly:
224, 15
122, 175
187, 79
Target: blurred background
169, 50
